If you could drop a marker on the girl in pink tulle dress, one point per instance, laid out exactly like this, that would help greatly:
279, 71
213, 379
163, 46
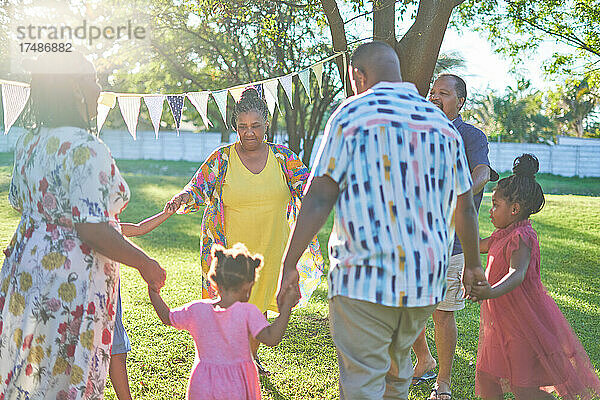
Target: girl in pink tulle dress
526, 346
224, 368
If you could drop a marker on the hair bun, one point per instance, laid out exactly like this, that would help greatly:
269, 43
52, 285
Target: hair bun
249, 93
526, 165
218, 251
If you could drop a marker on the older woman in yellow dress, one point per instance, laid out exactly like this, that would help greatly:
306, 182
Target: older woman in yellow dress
251, 191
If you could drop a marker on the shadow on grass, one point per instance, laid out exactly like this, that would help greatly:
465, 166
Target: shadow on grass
271, 389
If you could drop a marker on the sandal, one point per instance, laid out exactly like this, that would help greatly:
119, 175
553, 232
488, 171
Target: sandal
261, 370
434, 392
427, 376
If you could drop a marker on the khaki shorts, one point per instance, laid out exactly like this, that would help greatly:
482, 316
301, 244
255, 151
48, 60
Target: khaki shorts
454, 292
373, 347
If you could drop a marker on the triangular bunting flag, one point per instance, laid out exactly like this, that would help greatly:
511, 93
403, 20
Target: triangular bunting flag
259, 89
130, 109
14, 98
220, 97
106, 101
270, 88
103, 110
304, 77
286, 83
200, 101
236, 93
154, 103
318, 71
176, 104
270, 101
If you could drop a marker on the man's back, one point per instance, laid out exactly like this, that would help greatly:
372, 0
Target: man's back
400, 165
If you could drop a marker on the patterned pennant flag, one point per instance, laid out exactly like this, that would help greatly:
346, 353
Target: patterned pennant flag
270, 89
200, 101
14, 98
154, 103
220, 97
130, 109
102, 114
236, 93
259, 89
318, 71
286, 83
304, 77
176, 104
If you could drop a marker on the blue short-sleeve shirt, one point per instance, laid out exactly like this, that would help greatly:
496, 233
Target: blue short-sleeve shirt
476, 148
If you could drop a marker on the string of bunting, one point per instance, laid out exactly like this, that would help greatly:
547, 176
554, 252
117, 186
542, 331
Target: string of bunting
16, 94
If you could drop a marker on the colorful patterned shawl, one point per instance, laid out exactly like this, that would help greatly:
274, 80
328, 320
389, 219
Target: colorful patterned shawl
206, 189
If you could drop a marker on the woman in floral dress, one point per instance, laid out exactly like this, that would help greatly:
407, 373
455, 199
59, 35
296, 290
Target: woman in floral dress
60, 276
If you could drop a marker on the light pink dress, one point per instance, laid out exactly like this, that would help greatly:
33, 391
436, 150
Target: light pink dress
223, 368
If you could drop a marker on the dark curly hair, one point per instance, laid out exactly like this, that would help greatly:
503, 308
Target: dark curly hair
231, 268
250, 101
521, 187
53, 101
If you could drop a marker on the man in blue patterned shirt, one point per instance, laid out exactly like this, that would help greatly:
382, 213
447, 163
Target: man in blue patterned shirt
395, 169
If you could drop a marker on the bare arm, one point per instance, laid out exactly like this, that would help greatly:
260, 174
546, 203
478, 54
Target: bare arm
519, 264
272, 334
484, 245
480, 176
104, 239
146, 225
467, 229
160, 307
316, 206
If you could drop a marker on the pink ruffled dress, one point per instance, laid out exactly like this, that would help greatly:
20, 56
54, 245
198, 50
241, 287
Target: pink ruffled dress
524, 340
223, 368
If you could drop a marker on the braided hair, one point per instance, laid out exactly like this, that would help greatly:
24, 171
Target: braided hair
231, 268
250, 101
521, 187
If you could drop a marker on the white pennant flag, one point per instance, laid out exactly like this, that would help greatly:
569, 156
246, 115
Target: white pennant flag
236, 93
221, 99
271, 88
130, 110
304, 77
106, 101
271, 101
200, 101
14, 98
154, 103
318, 71
286, 83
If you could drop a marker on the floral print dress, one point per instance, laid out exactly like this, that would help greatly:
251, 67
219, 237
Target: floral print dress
57, 296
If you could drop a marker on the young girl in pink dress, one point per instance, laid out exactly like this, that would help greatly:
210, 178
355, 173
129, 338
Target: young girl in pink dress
526, 346
221, 328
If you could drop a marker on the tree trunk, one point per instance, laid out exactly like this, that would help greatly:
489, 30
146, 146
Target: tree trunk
384, 21
338, 38
418, 50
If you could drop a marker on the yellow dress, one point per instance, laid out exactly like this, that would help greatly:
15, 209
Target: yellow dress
255, 214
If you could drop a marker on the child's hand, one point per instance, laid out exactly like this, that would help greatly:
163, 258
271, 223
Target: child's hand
481, 291
291, 298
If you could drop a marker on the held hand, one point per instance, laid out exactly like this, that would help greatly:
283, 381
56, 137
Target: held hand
289, 280
481, 291
176, 201
470, 277
170, 208
154, 275
291, 297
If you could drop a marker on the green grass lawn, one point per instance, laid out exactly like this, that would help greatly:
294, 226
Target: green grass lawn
304, 365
